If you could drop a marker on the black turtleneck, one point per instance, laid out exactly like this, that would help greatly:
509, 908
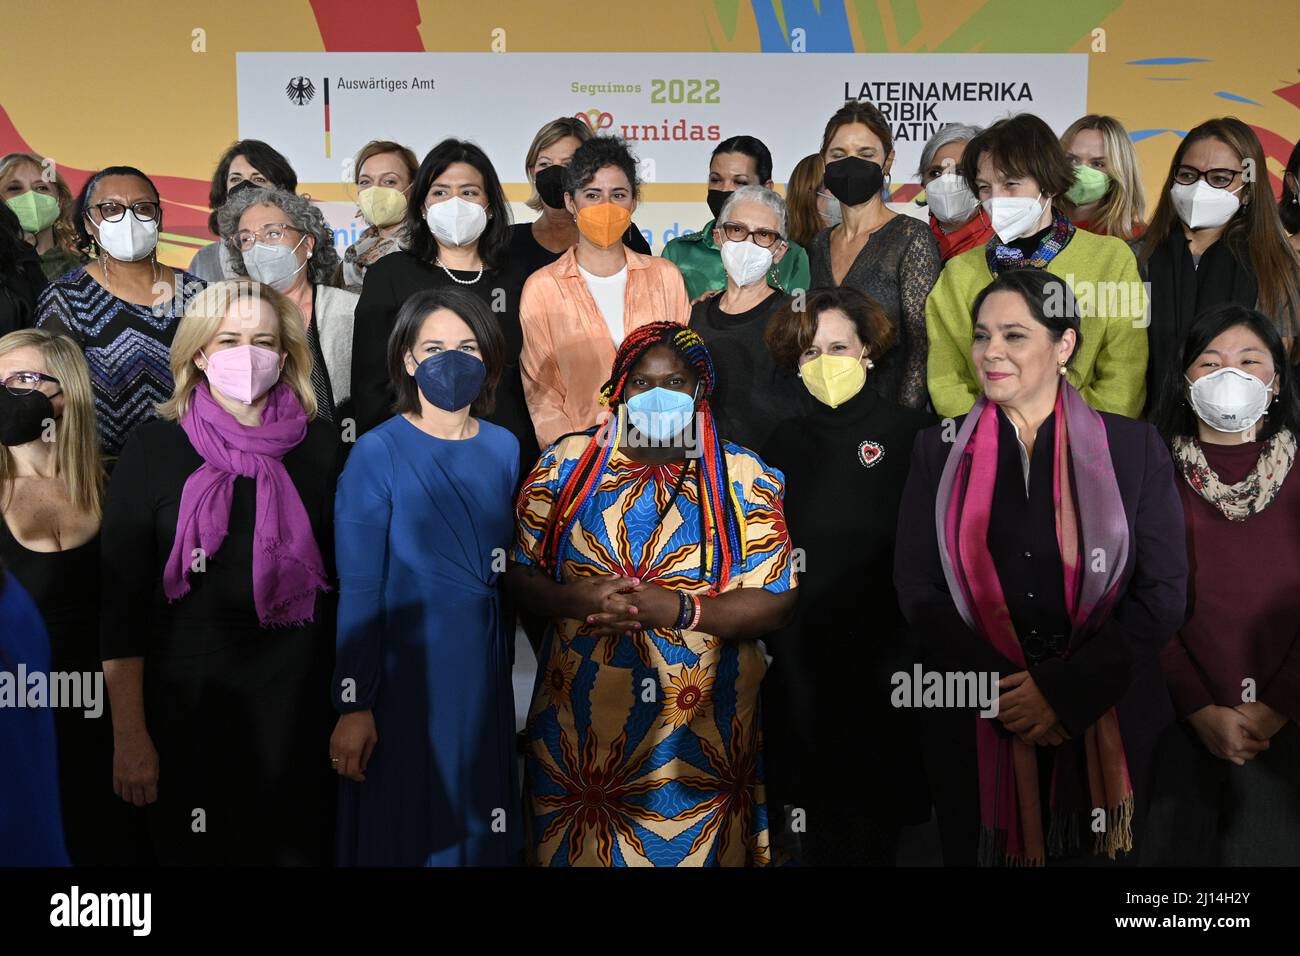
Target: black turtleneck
831, 729
752, 394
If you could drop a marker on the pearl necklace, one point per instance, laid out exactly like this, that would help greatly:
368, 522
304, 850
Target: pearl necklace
438, 262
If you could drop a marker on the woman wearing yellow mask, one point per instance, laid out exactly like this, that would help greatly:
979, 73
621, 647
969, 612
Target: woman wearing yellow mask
845, 462
576, 311
384, 173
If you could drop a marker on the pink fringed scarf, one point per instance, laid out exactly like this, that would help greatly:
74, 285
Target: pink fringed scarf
1092, 531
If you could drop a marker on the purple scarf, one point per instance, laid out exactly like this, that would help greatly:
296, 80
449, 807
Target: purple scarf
287, 565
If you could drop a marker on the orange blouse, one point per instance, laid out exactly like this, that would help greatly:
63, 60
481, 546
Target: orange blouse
568, 351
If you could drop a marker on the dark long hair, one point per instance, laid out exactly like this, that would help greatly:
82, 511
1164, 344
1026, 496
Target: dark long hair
1287, 207
406, 329
494, 244
1172, 414
263, 157
85, 242
1254, 234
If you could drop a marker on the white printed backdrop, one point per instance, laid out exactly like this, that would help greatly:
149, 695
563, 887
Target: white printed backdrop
672, 108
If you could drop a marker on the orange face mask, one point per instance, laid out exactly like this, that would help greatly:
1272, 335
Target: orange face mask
603, 224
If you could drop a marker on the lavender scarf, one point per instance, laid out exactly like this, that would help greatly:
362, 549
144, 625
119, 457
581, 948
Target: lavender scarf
287, 565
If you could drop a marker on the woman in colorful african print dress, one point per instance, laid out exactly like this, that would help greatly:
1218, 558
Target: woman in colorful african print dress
659, 553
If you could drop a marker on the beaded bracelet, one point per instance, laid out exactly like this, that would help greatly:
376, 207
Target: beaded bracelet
684, 610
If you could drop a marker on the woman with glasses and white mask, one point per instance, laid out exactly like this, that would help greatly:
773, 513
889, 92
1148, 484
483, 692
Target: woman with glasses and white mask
1227, 775
280, 239
215, 621
957, 219
752, 395
51, 485
384, 172
1216, 238
123, 307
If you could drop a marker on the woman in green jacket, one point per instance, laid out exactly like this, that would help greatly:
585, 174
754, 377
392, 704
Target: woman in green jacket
1019, 172
738, 161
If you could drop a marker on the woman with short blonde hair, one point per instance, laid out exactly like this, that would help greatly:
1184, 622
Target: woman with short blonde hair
205, 314
1107, 196
217, 561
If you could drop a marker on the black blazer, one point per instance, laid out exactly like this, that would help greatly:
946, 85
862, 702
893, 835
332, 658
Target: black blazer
1104, 670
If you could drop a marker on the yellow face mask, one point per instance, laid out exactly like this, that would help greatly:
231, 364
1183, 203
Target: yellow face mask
382, 205
834, 379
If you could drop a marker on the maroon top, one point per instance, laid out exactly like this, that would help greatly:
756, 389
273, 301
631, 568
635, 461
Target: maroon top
1243, 596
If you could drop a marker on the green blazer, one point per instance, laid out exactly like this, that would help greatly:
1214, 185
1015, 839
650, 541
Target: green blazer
700, 262
1109, 368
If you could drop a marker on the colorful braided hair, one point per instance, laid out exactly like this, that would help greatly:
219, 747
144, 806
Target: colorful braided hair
721, 517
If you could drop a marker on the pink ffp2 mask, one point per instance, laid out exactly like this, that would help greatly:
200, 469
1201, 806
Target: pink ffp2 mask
244, 373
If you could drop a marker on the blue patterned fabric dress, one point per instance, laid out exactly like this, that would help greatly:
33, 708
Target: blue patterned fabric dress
646, 750
127, 346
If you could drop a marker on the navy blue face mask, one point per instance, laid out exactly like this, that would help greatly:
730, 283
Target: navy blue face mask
451, 380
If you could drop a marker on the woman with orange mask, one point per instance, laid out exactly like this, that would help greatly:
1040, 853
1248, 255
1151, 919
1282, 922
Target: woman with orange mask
576, 311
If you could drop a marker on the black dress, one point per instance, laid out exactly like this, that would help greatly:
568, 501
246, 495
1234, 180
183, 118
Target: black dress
834, 745
527, 255
1117, 666
100, 829
240, 714
388, 284
752, 394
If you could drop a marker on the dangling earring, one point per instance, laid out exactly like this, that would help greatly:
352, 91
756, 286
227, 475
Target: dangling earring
870, 364
1062, 369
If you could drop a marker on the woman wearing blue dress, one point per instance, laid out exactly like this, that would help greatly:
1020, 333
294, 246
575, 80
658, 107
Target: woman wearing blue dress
424, 745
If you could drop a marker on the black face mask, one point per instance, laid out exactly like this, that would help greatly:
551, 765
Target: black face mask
242, 184
550, 186
23, 417
853, 180
717, 199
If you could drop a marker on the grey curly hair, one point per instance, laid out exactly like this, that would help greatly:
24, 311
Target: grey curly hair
299, 212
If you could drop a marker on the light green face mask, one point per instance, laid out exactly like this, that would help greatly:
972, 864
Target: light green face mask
1089, 186
35, 211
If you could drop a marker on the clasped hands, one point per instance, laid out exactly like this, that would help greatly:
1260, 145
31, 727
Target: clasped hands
611, 606
1025, 712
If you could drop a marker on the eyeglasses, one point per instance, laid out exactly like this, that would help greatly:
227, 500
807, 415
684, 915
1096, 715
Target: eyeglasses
114, 211
271, 233
739, 232
24, 383
1218, 178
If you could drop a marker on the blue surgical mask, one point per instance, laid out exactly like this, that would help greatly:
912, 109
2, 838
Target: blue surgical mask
451, 380
660, 413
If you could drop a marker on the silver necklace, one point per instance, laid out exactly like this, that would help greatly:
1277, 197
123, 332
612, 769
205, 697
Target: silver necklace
438, 262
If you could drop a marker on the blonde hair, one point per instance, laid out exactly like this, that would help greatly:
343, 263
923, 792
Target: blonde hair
549, 135
204, 315
65, 230
378, 147
1125, 205
78, 460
